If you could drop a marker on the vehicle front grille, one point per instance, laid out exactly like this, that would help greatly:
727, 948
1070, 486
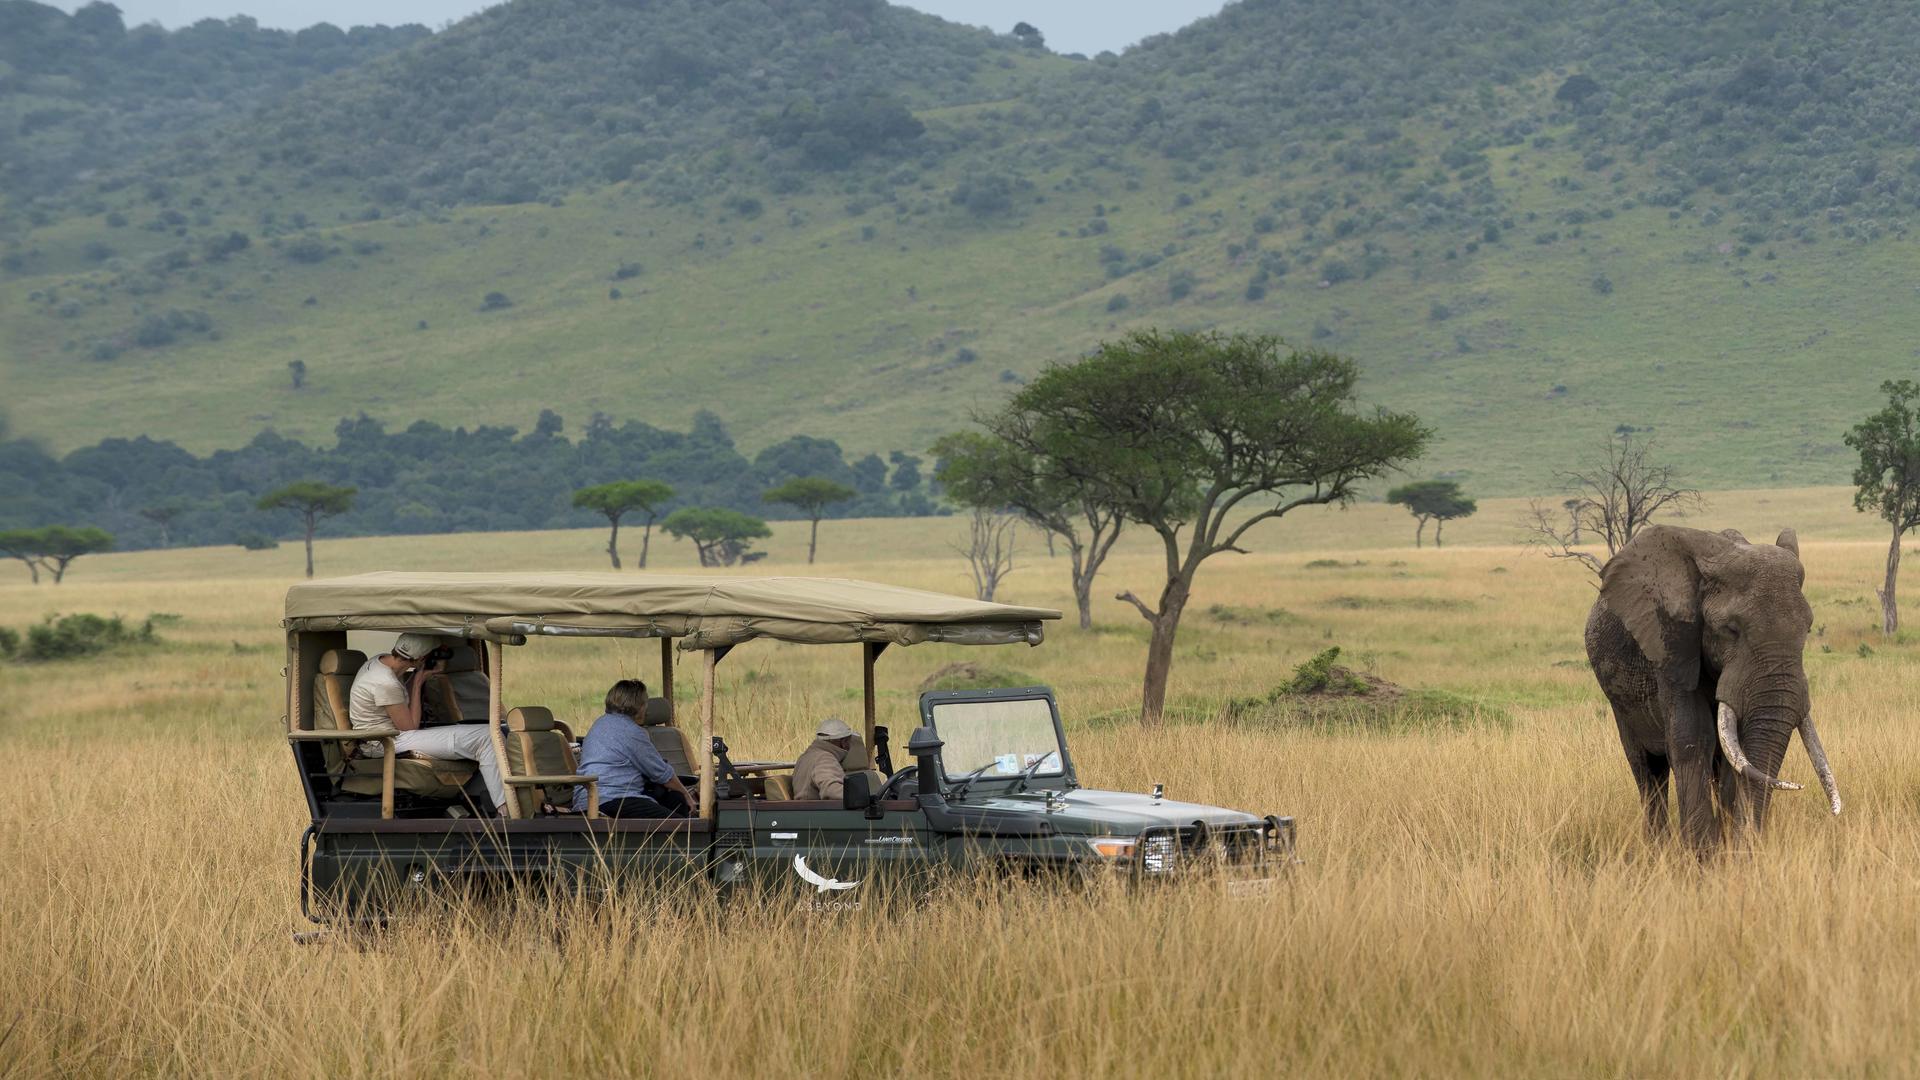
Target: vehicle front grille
1195, 846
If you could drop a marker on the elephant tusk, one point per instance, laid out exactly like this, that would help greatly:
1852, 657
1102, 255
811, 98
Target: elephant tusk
1811, 740
1730, 746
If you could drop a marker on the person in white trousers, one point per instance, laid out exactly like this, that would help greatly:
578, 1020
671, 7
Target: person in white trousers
381, 699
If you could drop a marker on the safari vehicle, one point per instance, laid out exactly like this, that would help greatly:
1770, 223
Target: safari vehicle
991, 777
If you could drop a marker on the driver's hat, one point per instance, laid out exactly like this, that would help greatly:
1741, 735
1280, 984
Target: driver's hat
833, 728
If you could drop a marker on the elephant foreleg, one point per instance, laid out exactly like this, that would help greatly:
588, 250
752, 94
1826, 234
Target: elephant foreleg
1650, 769
1653, 791
1693, 746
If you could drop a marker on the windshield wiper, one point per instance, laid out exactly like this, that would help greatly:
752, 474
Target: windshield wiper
960, 788
1027, 773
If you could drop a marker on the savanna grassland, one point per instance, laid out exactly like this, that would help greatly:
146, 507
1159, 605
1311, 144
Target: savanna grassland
1476, 895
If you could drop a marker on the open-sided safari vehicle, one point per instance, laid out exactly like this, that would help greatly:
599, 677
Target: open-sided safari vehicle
990, 781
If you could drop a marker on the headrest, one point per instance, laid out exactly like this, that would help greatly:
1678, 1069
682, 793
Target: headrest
530, 718
856, 757
462, 658
341, 661
659, 711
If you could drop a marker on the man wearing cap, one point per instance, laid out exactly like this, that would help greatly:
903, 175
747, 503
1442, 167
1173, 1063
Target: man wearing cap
821, 772
386, 693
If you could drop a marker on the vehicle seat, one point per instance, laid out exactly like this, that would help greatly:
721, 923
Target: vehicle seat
778, 787
673, 742
538, 745
860, 759
468, 683
416, 773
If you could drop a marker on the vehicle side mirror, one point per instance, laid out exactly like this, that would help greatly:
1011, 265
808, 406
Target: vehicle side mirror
857, 794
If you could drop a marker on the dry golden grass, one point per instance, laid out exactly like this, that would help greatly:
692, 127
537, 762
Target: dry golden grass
1473, 901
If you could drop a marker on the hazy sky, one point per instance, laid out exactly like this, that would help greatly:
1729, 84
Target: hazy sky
1086, 26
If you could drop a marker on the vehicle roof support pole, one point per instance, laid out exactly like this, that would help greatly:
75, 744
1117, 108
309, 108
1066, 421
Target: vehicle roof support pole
870, 651
666, 673
707, 679
496, 655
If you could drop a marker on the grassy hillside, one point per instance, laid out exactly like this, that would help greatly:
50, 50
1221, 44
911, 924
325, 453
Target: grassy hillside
1527, 269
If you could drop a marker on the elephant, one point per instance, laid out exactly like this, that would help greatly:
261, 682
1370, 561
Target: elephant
1696, 641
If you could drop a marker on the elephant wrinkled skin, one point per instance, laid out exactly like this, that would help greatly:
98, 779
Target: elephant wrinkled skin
1696, 640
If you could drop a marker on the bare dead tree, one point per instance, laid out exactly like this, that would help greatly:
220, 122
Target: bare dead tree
1616, 495
989, 549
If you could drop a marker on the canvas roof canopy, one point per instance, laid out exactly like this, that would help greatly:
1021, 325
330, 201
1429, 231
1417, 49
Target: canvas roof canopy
703, 612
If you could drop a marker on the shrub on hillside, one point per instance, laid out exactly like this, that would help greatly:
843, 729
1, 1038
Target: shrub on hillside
495, 301
307, 249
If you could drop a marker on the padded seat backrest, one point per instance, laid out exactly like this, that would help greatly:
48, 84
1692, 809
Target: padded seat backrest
673, 743
777, 786
468, 683
332, 689
538, 745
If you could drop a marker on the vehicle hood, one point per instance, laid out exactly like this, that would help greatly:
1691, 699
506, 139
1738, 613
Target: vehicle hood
1113, 813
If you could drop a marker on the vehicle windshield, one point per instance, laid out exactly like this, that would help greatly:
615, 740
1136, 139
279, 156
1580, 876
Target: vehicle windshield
998, 739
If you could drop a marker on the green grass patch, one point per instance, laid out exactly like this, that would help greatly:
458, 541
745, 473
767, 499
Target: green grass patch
1402, 603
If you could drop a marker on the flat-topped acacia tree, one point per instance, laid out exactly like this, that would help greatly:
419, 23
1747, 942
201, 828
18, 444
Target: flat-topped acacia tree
53, 548
620, 498
1438, 501
721, 536
1199, 437
811, 495
314, 502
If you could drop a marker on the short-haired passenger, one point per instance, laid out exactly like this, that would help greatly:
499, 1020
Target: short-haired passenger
380, 699
635, 781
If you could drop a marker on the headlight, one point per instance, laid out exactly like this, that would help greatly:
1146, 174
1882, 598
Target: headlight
1111, 847
1160, 854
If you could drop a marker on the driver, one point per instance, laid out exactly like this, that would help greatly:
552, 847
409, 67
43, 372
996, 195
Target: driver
821, 771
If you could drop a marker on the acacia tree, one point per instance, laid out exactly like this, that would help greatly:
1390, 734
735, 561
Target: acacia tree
314, 502
1001, 470
53, 548
163, 515
1439, 501
1616, 494
1888, 478
61, 544
25, 545
1201, 437
811, 495
620, 498
721, 536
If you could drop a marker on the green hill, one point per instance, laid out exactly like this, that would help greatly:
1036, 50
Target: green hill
1532, 223
82, 93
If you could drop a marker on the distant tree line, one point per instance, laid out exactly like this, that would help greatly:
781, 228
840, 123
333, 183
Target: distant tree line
431, 479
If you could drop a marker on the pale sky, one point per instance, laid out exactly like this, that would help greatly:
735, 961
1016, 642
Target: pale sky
1086, 26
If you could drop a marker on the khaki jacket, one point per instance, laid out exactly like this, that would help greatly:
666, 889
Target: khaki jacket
821, 771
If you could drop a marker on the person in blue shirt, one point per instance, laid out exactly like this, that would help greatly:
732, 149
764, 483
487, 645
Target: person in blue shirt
635, 781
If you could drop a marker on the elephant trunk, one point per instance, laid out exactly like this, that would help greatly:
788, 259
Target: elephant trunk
1810, 739
1737, 757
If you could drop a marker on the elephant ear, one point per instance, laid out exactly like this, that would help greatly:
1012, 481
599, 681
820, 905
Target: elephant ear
1653, 587
1790, 540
